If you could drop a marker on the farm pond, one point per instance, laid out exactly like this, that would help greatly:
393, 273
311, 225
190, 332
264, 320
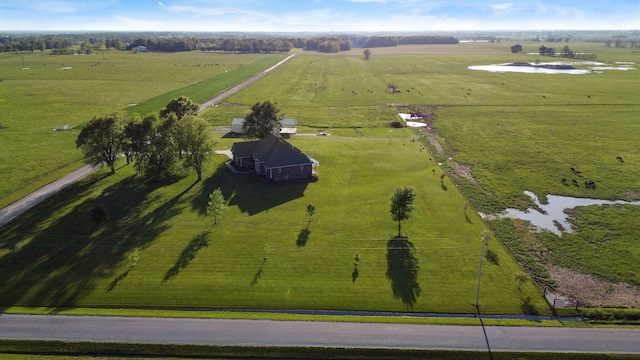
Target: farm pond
531, 68
551, 216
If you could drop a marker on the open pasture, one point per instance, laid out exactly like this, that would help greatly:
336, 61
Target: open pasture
508, 118
514, 131
259, 255
45, 92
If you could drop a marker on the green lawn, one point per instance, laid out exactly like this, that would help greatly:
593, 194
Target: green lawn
183, 265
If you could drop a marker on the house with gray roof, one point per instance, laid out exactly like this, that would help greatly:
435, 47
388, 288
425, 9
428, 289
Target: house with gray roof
272, 158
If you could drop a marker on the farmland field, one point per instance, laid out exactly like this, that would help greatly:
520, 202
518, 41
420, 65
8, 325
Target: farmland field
54, 91
514, 132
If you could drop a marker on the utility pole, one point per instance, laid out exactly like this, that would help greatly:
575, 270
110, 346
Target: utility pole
479, 274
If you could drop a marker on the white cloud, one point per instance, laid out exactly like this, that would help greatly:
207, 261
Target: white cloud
161, 4
502, 7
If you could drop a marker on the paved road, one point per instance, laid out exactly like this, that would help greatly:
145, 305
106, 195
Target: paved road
21, 206
242, 85
316, 334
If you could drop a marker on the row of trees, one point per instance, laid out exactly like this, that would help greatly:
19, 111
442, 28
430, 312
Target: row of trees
622, 43
157, 143
66, 44
388, 41
566, 53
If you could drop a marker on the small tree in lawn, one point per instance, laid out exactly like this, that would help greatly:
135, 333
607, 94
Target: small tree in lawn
402, 205
521, 279
216, 205
367, 54
311, 210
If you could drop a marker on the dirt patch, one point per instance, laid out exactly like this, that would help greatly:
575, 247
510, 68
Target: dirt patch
592, 291
436, 144
463, 171
458, 169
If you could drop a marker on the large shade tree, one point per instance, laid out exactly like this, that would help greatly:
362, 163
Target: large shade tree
402, 205
263, 119
181, 106
102, 140
154, 145
195, 140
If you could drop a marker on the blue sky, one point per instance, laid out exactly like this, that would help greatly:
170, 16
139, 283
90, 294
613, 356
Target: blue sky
317, 15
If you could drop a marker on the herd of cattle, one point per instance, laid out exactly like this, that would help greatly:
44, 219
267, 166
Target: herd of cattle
590, 184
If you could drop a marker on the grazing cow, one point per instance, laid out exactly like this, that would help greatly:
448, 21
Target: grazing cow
574, 182
564, 181
576, 171
619, 158
590, 184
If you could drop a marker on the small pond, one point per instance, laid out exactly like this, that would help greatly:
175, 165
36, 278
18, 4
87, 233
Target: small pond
531, 68
554, 211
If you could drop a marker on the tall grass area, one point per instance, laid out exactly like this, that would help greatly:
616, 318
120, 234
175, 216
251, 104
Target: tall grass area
259, 255
40, 92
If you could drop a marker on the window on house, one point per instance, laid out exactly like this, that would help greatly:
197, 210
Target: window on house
301, 167
279, 170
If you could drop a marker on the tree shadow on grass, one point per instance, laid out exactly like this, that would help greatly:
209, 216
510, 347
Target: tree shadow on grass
355, 273
258, 273
467, 218
444, 187
12, 233
303, 237
59, 264
528, 308
250, 194
112, 285
188, 254
402, 270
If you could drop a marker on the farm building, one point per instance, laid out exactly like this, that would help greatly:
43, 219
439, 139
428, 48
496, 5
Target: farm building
272, 158
236, 125
287, 126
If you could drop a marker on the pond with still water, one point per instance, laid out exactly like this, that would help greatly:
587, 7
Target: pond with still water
531, 68
553, 214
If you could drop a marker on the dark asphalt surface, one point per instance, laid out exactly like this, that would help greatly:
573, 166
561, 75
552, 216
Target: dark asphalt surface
317, 334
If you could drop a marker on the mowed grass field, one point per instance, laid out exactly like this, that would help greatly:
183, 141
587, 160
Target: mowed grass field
55, 257
255, 256
39, 92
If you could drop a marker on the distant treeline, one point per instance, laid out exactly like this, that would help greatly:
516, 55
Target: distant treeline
89, 43
387, 41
